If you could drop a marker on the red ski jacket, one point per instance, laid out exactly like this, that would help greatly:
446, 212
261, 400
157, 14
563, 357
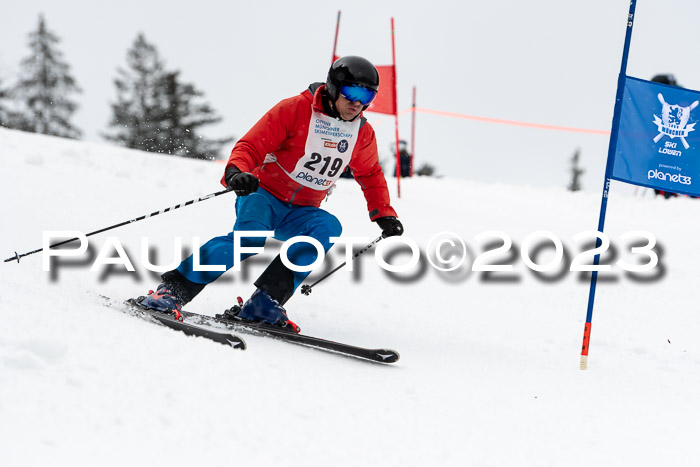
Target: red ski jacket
273, 148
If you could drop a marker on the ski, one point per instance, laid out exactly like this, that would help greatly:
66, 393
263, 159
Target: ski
210, 327
276, 332
134, 308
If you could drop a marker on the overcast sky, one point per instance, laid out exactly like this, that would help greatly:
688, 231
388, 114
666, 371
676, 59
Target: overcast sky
543, 61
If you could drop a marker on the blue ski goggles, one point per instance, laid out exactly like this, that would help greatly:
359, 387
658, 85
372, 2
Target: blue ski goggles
355, 93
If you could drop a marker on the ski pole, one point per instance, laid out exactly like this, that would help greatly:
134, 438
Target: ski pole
306, 289
131, 221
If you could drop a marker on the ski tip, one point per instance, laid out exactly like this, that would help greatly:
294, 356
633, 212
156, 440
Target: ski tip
236, 342
387, 356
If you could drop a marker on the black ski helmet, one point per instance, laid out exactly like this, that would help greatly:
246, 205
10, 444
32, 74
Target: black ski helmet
351, 70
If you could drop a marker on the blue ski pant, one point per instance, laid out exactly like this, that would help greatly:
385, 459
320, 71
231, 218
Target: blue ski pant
263, 211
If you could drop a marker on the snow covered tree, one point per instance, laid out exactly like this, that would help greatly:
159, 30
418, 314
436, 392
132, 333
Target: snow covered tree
425, 170
6, 114
156, 112
44, 88
136, 112
184, 114
576, 172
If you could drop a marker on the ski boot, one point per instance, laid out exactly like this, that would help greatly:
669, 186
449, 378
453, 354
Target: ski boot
165, 300
261, 307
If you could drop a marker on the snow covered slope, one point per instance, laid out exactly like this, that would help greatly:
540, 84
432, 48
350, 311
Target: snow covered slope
489, 363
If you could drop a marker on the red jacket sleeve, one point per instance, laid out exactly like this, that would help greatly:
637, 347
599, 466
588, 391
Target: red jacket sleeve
368, 173
265, 137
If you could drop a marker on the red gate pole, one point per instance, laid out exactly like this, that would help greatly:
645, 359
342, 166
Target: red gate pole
396, 114
413, 130
335, 41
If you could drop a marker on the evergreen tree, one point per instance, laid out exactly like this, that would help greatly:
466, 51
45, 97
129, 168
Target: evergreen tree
576, 172
184, 114
44, 88
137, 110
6, 114
425, 170
156, 112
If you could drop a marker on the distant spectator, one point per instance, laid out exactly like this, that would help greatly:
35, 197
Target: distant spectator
665, 194
404, 157
665, 79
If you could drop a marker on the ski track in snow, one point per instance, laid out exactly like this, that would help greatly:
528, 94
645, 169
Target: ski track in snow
488, 372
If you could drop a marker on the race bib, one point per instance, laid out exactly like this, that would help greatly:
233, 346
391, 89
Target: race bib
329, 146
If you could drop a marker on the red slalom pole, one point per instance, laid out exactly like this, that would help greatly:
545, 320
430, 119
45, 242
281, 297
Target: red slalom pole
413, 131
335, 41
396, 114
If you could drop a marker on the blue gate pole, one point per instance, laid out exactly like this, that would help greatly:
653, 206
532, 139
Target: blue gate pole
606, 185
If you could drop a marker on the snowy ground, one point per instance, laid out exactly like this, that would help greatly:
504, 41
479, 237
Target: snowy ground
489, 371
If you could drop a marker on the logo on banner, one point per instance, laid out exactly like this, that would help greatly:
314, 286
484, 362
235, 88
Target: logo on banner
665, 176
343, 146
674, 121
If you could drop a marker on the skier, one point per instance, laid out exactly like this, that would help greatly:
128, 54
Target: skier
281, 170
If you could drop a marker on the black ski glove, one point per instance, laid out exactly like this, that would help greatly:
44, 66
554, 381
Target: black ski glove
243, 183
390, 226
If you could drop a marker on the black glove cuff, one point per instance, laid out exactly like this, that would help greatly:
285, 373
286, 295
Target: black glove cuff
230, 173
386, 221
